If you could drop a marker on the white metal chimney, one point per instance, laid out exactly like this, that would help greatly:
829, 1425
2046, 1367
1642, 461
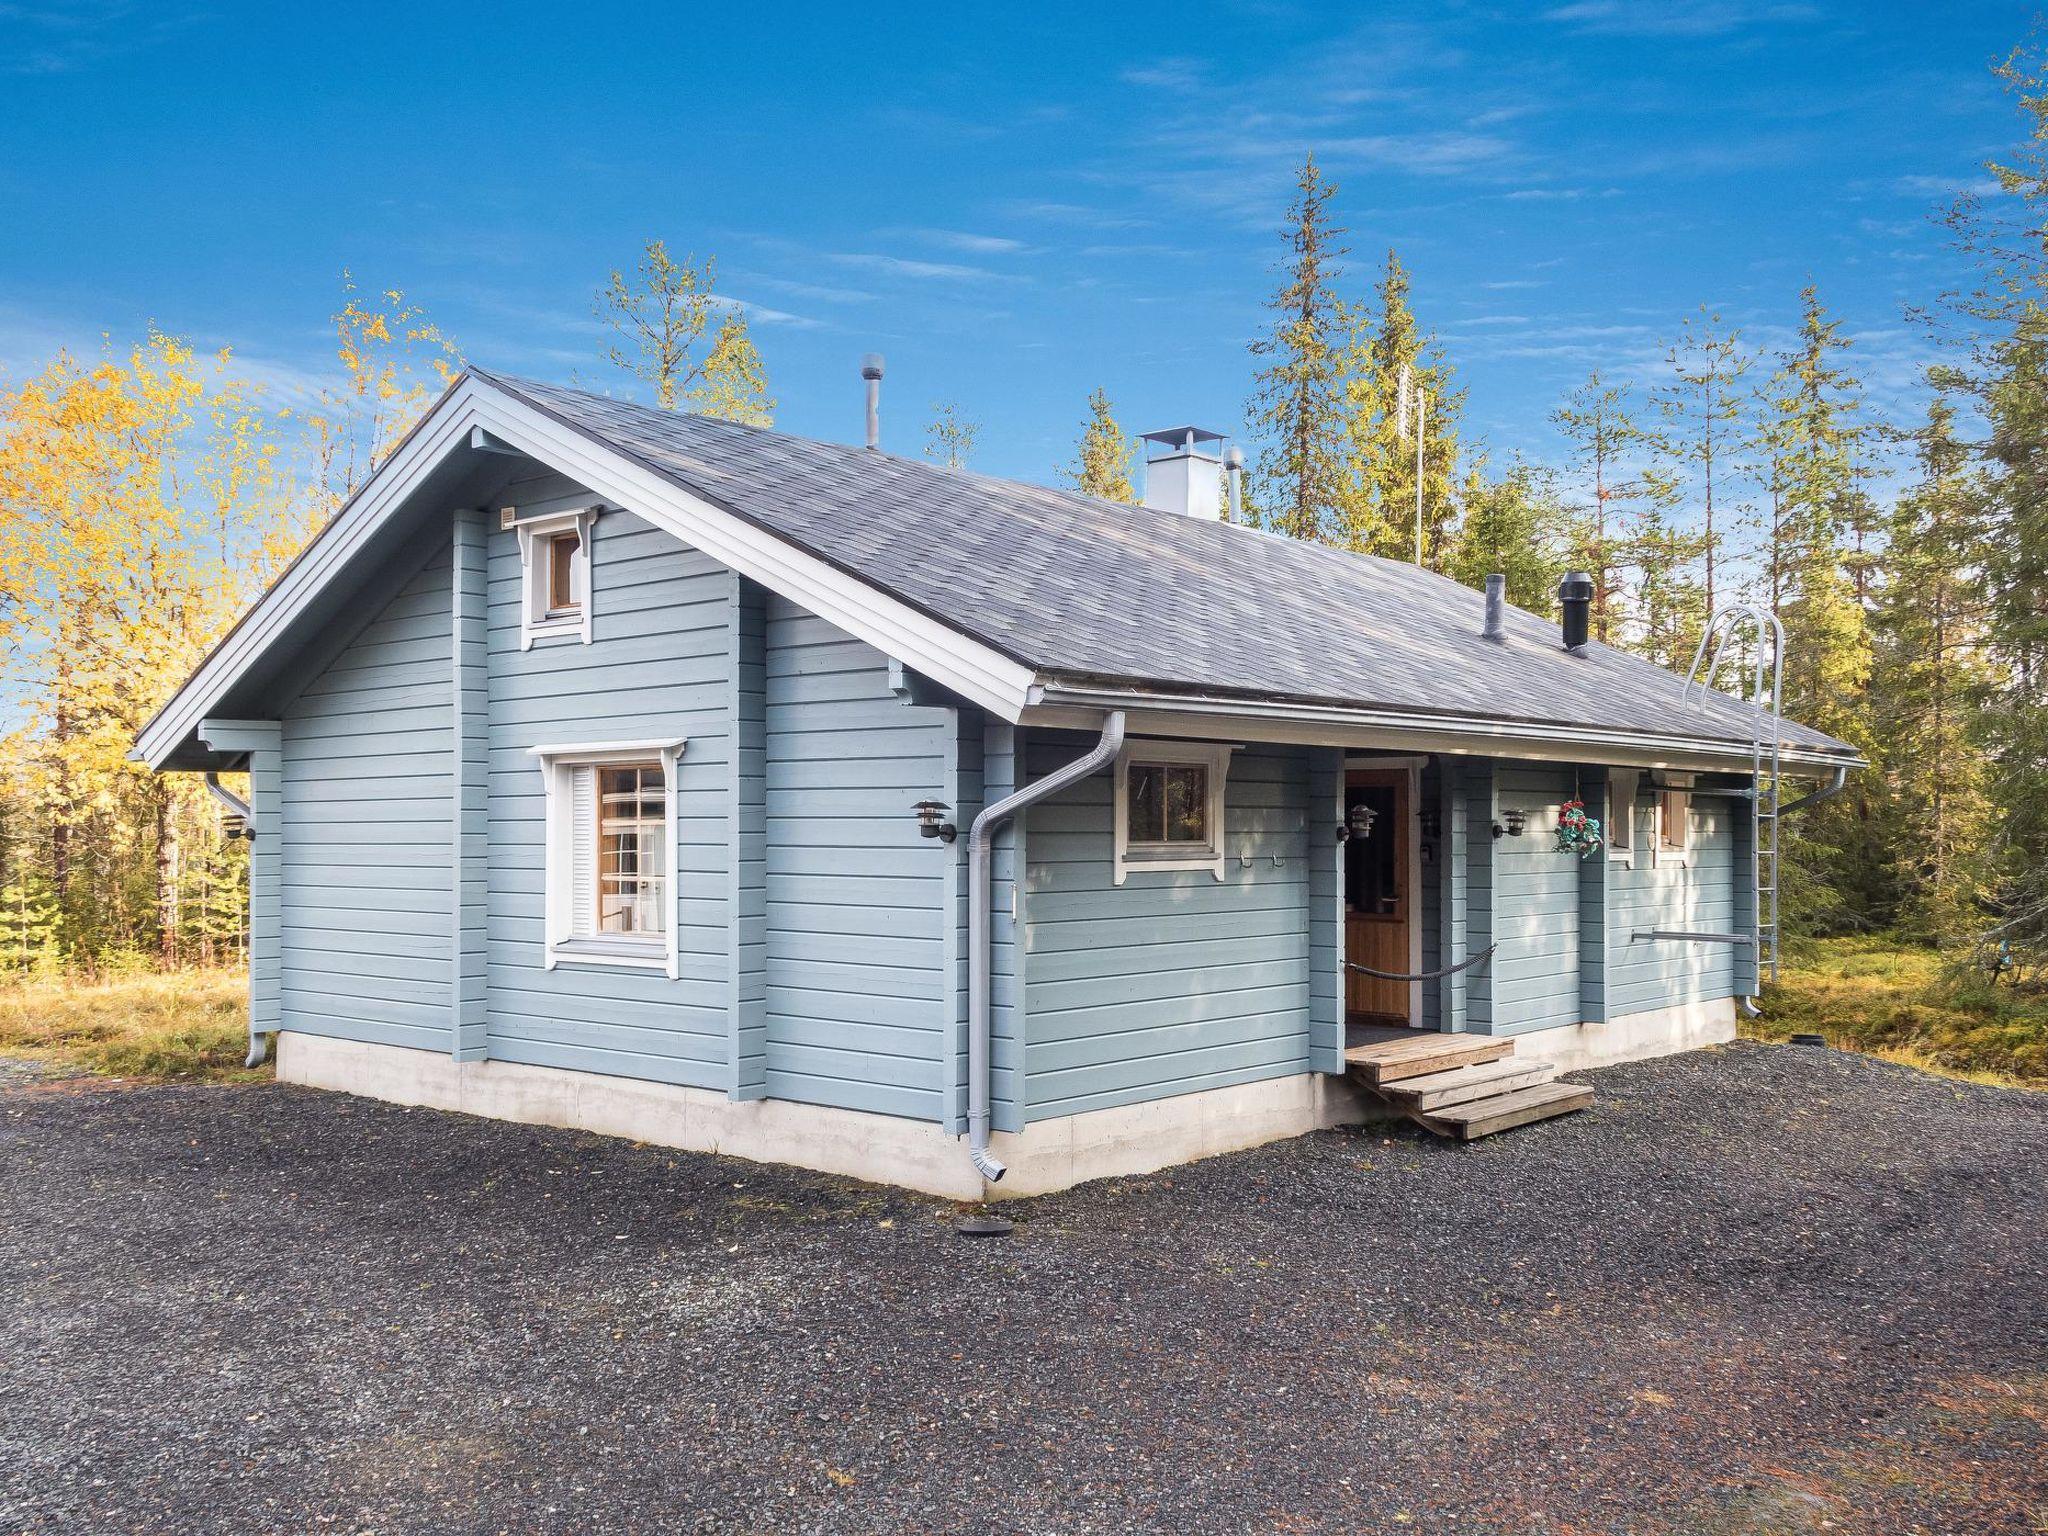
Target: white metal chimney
1184, 472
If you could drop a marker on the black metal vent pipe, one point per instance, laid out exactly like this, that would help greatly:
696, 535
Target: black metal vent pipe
1575, 596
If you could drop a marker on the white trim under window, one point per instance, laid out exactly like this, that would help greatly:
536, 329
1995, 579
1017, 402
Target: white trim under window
1175, 818
1672, 834
544, 608
1621, 814
610, 853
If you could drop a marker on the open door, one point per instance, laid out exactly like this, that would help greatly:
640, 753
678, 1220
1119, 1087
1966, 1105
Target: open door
1379, 895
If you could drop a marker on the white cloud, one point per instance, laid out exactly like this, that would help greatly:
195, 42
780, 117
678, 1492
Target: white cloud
904, 266
1674, 18
965, 240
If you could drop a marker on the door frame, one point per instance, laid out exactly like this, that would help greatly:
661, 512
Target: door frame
1411, 807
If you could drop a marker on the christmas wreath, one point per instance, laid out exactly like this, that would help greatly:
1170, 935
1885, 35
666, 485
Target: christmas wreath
1576, 831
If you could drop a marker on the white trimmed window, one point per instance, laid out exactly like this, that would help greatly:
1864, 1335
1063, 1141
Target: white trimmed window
554, 573
1674, 823
1621, 813
611, 853
1169, 806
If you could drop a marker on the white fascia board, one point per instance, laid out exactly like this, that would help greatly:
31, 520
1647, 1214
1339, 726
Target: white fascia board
1321, 725
968, 668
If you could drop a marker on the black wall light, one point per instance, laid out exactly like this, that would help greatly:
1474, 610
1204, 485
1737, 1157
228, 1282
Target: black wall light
1511, 824
931, 821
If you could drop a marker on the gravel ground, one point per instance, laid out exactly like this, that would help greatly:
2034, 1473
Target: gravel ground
1755, 1290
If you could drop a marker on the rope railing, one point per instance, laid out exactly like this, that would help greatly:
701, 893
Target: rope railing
1450, 970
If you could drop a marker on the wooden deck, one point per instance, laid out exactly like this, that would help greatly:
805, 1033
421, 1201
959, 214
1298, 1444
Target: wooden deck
1460, 1086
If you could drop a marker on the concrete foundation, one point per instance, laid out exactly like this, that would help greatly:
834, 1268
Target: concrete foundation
1633, 1036
1048, 1156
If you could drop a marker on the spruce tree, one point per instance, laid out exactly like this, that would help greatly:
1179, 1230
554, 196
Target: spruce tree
1102, 460
1931, 645
1515, 527
1379, 513
1297, 406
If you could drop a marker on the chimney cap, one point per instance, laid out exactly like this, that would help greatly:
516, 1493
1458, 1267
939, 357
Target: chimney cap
1181, 439
1577, 587
871, 365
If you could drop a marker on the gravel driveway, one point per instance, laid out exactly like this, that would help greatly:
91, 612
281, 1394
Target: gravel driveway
1754, 1290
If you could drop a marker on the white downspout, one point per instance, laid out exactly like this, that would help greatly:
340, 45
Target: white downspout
980, 845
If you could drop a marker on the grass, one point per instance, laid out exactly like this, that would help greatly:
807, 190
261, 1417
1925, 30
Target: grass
1892, 1000
189, 1025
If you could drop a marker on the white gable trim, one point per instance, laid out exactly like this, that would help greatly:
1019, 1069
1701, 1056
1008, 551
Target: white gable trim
968, 668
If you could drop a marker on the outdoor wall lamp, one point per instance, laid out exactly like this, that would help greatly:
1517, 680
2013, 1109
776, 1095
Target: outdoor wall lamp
1357, 823
1511, 824
931, 821
1432, 824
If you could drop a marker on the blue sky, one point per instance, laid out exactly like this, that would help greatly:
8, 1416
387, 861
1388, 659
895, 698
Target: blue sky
1016, 204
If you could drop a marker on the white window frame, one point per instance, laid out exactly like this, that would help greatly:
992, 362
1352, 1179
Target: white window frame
561, 944
1680, 856
1171, 856
1622, 784
535, 620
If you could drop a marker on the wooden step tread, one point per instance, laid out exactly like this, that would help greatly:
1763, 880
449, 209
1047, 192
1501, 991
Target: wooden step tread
1483, 1117
1389, 1061
1460, 1085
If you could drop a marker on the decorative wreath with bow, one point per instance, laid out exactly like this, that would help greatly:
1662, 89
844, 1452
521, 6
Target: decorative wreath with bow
1576, 831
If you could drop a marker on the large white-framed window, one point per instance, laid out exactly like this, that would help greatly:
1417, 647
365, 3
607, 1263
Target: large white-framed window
610, 850
1169, 806
554, 574
1621, 814
1674, 820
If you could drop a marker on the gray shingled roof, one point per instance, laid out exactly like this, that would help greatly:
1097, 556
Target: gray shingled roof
1084, 590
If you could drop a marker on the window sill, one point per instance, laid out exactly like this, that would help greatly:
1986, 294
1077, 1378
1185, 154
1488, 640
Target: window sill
638, 957
544, 629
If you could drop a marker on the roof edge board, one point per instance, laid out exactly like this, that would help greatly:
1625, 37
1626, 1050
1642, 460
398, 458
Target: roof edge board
1335, 725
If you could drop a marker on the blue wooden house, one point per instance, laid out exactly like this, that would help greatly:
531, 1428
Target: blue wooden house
723, 789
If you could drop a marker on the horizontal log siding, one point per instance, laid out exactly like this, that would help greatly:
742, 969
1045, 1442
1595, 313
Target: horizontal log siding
1695, 897
364, 846
1533, 978
658, 666
1174, 982
859, 994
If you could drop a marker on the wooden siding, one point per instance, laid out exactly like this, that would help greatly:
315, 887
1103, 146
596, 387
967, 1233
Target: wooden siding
1697, 896
1533, 978
747, 943
858, 994
1326, 909
1002, 771
471, 765
658, 666
1174, 982
366, 868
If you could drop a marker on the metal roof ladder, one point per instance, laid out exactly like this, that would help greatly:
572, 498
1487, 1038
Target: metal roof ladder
1766, 692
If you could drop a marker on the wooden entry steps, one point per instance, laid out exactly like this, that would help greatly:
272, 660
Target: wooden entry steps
1463, 1086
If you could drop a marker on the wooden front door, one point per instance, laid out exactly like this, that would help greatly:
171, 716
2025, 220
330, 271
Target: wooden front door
1377, 899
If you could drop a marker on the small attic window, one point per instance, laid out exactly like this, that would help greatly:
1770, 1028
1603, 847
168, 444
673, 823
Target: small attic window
554, 564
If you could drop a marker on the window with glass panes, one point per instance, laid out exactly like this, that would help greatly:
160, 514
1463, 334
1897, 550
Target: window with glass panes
632, 850
1169, 804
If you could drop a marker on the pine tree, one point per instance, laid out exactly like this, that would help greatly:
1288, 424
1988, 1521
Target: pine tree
1669, 603
1380, 511
1596, 420
1701, 409
1102, 461
1932, 647
1297, 406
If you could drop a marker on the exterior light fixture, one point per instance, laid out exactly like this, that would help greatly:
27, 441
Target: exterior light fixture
1357, 822
1432, 824
931, 821
1511, 824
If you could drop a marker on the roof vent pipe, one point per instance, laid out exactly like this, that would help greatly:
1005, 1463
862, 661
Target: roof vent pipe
1575, 596
871, 370
1233, 479
1496, 607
